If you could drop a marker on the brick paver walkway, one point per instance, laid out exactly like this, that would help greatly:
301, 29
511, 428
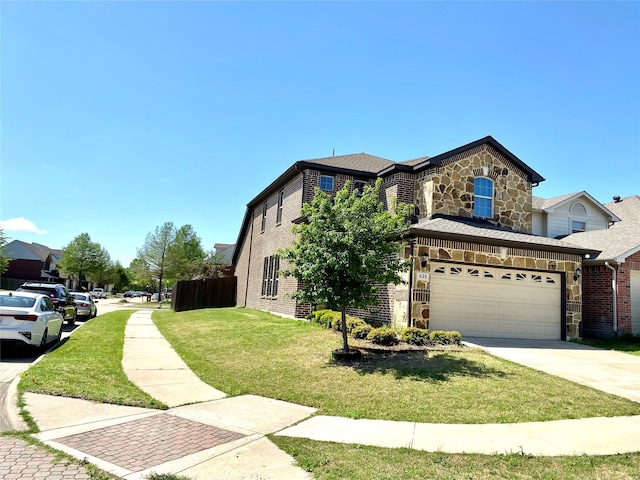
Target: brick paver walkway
22, 461
142, 444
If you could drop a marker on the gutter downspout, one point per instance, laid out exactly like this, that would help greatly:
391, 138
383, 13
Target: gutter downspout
614, 287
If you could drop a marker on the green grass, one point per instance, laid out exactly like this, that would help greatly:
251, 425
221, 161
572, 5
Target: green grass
88, 365
243, 351
618, 344
332, 461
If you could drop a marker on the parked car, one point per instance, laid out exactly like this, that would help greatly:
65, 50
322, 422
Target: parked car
85, 306
29, 318
98, 293
59, 295
129, 294
154, 297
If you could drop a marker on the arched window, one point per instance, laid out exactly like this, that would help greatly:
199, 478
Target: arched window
483, 197
578, 209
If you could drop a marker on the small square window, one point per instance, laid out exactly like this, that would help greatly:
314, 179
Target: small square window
326, 183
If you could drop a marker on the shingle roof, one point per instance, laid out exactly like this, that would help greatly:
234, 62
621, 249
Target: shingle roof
483, 231
544, 203
628, 209
615, 243
356, 161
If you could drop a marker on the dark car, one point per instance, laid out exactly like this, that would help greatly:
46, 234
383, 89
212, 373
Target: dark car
129, 294
59, 295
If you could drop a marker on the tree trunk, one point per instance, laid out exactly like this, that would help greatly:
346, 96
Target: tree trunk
343, 323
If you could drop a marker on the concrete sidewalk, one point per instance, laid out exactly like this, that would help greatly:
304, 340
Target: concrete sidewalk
205, 435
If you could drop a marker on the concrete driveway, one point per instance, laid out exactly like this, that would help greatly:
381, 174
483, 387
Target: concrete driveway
609, 371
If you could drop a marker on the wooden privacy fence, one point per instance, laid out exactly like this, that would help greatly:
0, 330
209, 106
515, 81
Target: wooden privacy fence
206, 293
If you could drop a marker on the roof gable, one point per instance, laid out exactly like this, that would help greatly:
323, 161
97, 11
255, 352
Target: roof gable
549, 205
532, 175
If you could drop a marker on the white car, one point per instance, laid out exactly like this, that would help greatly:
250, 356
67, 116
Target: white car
98, 293
29, 319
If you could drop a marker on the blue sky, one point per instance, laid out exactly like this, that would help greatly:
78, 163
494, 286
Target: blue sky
119, 116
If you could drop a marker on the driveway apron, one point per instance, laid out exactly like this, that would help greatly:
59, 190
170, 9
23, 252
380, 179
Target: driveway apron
609, 371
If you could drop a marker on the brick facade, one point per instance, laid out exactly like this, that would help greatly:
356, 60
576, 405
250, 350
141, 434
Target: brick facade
598, 297
446, 189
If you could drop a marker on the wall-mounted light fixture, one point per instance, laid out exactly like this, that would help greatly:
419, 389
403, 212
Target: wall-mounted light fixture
425, 259
578, 273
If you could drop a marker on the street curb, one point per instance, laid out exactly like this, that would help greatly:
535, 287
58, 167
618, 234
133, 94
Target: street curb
12, 409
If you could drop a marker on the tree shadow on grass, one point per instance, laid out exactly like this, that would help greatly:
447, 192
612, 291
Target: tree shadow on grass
421, 366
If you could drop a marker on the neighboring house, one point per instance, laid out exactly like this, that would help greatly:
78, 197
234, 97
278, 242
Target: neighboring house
611, 279
33, 262
576, 212
224, 254
476, 266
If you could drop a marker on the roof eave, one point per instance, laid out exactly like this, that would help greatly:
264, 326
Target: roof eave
535, 177
575, 250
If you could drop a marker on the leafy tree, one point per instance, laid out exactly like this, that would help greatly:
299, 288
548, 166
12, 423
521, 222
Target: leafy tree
82, 257
105, 272
139, 273
155, 255
347, 248
4, 261
186, 254
122, 279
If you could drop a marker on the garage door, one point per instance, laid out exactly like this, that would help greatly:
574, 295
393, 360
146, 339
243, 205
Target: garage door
635, 301
495, 302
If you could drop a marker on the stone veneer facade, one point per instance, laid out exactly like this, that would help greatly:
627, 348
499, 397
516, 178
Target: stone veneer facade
448, 189
418, 314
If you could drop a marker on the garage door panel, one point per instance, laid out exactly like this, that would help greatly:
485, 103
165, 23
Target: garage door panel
495, 302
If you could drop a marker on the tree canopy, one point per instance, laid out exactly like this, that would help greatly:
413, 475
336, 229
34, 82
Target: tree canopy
154, 254
83, 257
4, 261
186, 254
347, 248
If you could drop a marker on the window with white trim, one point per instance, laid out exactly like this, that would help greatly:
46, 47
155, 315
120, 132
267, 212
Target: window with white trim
280, 203
264, 217
483, 197
577, 226
270, 269
326, 183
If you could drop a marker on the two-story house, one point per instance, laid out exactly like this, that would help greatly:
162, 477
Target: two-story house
611, 279
476, 266
31, 261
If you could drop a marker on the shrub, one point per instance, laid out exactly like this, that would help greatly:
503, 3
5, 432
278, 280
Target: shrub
415, 336
361, 331
326, 318
383, 336
445, 338
336, 322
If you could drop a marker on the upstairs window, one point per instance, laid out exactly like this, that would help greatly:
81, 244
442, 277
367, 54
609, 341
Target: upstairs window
483, 197
359, 186
326, 183
264, 217
280, 203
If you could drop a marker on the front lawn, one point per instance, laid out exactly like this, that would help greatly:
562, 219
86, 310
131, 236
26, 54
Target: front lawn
88, 365
243, 351
623, 344
333, 461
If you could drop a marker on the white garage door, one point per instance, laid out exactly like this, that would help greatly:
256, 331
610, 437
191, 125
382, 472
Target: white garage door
635, 301
495, 302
